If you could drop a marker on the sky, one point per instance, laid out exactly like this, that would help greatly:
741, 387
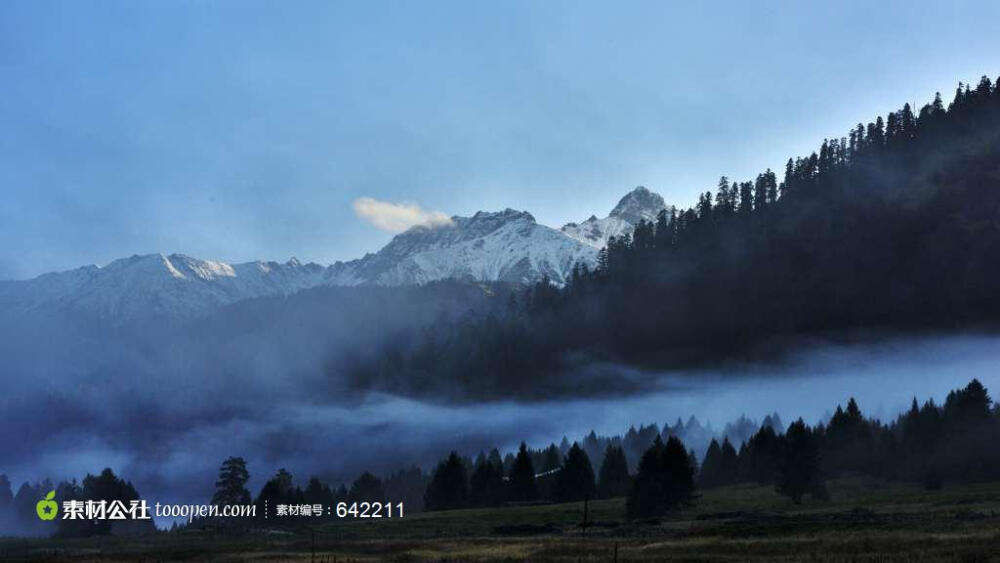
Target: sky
265, 130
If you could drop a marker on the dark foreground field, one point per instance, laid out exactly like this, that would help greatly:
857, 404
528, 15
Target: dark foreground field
865, 520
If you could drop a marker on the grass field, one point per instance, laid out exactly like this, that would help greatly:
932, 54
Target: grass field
865, 520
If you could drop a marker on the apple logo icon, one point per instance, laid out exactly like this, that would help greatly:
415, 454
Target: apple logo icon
47, 508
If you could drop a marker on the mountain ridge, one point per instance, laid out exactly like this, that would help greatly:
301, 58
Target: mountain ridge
506, 246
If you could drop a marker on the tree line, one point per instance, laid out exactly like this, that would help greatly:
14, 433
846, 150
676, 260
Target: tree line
929, 444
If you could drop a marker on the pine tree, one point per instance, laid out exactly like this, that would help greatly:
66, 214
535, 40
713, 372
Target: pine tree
800, 471
318, 493
231, 489
879, 130
602, 260
341, 495
724, 198
937, 105
449, 486
663, 229
575, 481
746, 198
760, 192
729, 463
970, 405
663, 481
705, 206
892, 128
613, 480
522, 487
787, 184
907, 123
277, 490
711, 467
551, 459
547, 461
764, 455
486, 486
367, 488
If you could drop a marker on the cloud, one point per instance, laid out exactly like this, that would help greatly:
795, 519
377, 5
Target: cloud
397, 217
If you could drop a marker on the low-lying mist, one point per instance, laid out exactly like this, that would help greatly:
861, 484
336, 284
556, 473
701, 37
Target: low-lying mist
164, 415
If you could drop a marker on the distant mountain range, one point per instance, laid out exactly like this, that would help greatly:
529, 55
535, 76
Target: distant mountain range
506, 246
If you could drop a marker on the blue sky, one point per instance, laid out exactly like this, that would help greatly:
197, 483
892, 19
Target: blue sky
243, 130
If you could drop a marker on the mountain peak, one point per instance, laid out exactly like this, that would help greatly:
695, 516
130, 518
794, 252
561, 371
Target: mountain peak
507, 245
503, 216
639, 204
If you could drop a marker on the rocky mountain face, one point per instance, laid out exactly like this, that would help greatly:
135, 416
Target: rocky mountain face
637, 205
507, 246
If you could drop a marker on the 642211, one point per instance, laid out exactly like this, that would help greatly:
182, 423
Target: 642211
367, 509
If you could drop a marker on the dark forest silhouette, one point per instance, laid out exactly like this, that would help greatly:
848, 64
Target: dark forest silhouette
892, 227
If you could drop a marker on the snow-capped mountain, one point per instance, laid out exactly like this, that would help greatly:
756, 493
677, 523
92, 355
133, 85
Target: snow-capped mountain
508, 246
637, 205
154, 284
504, 246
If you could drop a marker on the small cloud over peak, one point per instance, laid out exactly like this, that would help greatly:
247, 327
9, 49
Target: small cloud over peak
397, 217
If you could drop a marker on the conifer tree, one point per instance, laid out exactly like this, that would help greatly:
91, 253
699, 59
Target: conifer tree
729, 463
231, 487
764, 455
575, 481
449, 486
760, 192
711, 467
613, 480
522, 487
341, 495
746, 198
367, 488
486, 486
663, 481
318, 493
800, 471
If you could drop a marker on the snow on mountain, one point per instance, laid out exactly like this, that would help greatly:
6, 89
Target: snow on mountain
637, 205
508, 246
504, 246
154, 284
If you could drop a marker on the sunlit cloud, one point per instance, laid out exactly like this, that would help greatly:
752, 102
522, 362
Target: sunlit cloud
397, 217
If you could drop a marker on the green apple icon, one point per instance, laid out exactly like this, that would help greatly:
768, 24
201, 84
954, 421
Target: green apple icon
47, 508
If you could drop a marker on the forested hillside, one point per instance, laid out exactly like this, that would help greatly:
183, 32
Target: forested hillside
895, 226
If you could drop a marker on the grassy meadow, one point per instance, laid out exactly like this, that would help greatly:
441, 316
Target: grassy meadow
865, 520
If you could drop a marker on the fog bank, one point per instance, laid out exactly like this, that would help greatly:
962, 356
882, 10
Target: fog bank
170, 446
